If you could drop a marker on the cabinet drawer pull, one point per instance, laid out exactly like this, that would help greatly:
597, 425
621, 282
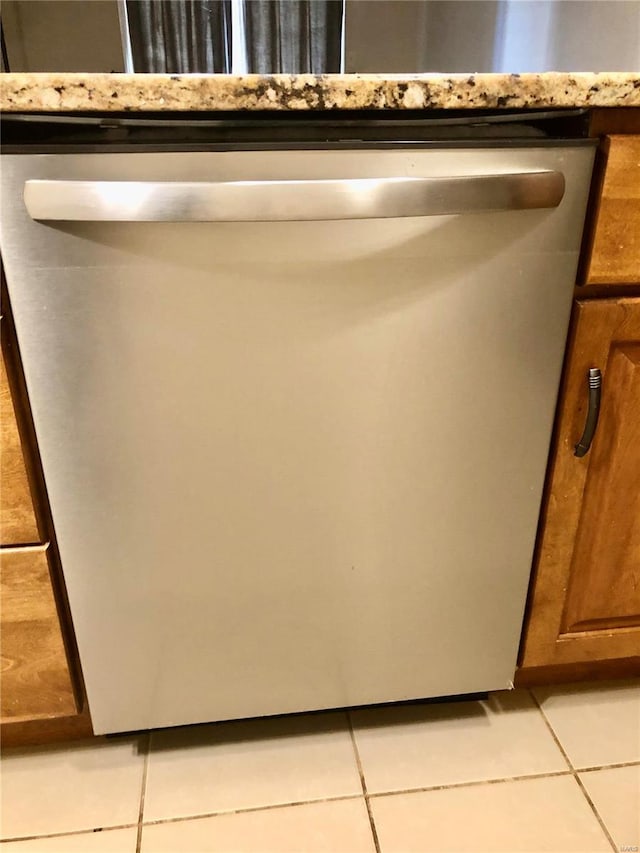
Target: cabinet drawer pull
594, 379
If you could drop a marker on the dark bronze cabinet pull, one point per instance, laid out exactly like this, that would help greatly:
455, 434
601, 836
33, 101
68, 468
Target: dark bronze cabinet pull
595, 391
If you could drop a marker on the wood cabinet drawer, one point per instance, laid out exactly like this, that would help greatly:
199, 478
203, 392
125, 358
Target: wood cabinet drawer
35, 681
615, 249
18, 525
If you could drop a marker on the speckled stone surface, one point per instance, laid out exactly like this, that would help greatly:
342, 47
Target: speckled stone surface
118, 92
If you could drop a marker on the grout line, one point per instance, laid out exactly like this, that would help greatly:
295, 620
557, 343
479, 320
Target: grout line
551, 730
471, 784
180, 818
374, 831
143, 789
607, 766
614, 846
249, 809
65, 834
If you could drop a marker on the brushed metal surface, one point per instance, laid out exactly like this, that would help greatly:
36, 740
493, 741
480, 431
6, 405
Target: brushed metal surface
255, 437
286, 201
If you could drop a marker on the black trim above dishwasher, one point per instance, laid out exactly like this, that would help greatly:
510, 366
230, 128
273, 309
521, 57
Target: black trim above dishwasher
119, 132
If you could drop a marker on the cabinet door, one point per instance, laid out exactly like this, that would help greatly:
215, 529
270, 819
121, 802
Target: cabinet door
36, 686
585, 599
35, 681
17, 517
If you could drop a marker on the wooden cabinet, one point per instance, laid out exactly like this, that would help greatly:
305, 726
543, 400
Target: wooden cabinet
35, 677
38, 692
614, 254
585, 597
18, 524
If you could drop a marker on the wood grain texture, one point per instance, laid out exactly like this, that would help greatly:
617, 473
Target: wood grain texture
18, 524
38, 732
614, 257
583, 601
614, 120
25, 730
604, 591
588, 671
35, 681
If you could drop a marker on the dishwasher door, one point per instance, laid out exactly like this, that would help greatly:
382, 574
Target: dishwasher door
291, 464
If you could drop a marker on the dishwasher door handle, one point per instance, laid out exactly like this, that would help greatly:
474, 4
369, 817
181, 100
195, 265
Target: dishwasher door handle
285, 201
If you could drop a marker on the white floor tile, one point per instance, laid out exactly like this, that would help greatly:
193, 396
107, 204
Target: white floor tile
597, 723
66, 788
227, 766
333, 827
107, 841
616, 795
545, 815
418, 746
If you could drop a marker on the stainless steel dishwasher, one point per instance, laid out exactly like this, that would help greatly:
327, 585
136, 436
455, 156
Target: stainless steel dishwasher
293, 384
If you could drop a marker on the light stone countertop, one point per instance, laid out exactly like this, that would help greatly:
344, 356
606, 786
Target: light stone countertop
68, 92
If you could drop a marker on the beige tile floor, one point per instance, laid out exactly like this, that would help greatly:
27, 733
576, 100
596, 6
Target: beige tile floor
548, 770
